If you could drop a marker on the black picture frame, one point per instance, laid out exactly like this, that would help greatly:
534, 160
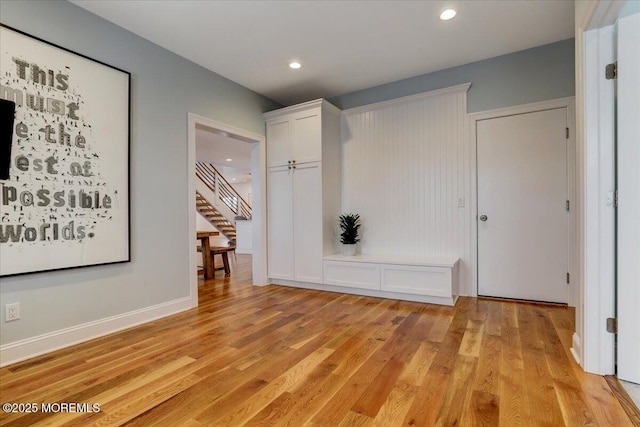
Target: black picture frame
66, 202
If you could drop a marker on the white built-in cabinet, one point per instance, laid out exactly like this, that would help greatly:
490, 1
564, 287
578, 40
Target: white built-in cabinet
303, 189
303, 205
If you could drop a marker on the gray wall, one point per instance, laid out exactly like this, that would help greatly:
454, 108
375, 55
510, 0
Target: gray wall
165, 88
532, 75
631, 8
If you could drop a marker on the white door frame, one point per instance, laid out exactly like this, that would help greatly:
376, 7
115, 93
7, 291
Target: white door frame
569, 104
258, 189
593, 346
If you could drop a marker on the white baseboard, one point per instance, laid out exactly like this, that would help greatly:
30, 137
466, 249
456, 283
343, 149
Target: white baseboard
576, 348
25, 349
451, 301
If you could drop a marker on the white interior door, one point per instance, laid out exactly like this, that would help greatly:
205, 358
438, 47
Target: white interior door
522, 216
628, 212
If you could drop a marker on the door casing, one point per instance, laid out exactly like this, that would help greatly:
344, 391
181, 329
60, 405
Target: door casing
569, 104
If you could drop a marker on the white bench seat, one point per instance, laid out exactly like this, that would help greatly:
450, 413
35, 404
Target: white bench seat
401, 277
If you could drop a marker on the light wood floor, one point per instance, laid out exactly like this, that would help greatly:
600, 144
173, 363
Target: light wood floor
274, 356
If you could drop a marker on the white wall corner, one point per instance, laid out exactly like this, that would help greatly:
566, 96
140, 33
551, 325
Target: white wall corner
31, 347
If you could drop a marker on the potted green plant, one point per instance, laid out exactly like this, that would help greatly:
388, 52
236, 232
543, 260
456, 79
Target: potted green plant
349, 224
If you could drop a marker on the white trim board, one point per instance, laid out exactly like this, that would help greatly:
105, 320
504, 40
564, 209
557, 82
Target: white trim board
369, 292
258, 188
569, 104
31, 347
405, 99
604, 13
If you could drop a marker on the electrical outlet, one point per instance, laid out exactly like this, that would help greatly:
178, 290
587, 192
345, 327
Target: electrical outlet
12, 312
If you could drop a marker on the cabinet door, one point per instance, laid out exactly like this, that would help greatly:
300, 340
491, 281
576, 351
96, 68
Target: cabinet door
307, 222
279, 220
278, 142
307, 137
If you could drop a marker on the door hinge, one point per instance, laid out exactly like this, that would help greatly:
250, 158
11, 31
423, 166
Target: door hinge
568, 278
568, 206
567, 133
615, 198
612, 325
611, 71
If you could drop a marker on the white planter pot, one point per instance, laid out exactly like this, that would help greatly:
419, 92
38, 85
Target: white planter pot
348, 250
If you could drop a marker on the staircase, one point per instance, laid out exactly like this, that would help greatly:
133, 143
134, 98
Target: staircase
229, 203
219, 221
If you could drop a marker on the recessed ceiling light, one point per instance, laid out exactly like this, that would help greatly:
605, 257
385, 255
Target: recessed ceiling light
447, 14
228, 160
295, 65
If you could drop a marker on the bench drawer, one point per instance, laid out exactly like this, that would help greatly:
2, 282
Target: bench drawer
419, 280
352, 274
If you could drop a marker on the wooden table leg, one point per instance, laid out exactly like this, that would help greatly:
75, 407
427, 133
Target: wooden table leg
225, 262
207, 259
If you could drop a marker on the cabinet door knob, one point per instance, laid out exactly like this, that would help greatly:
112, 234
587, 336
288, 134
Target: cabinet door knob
483, 218
289, 161
294, 162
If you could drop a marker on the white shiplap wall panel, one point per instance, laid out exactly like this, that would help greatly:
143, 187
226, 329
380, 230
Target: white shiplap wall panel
405, 164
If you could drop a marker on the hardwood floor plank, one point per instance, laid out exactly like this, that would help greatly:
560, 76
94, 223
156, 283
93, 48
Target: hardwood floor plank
485, 410
130, 406
280, 356
544, 406
487, 378
514, 396
185, 405
428, 400
472, 339
376, 394
396, 405
354, 419
286, 406
272, 390
459, 385
310, 401
418, 367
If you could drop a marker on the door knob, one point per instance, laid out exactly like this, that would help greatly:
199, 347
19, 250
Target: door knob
483, 218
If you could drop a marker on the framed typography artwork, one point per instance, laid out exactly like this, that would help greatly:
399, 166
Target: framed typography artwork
64, 158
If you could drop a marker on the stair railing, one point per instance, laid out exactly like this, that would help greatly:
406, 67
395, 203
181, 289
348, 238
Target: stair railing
222, 189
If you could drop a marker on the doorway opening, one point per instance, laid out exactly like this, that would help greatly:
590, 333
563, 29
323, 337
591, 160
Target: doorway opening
226, 187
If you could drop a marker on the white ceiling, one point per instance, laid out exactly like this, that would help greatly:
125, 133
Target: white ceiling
343, 45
